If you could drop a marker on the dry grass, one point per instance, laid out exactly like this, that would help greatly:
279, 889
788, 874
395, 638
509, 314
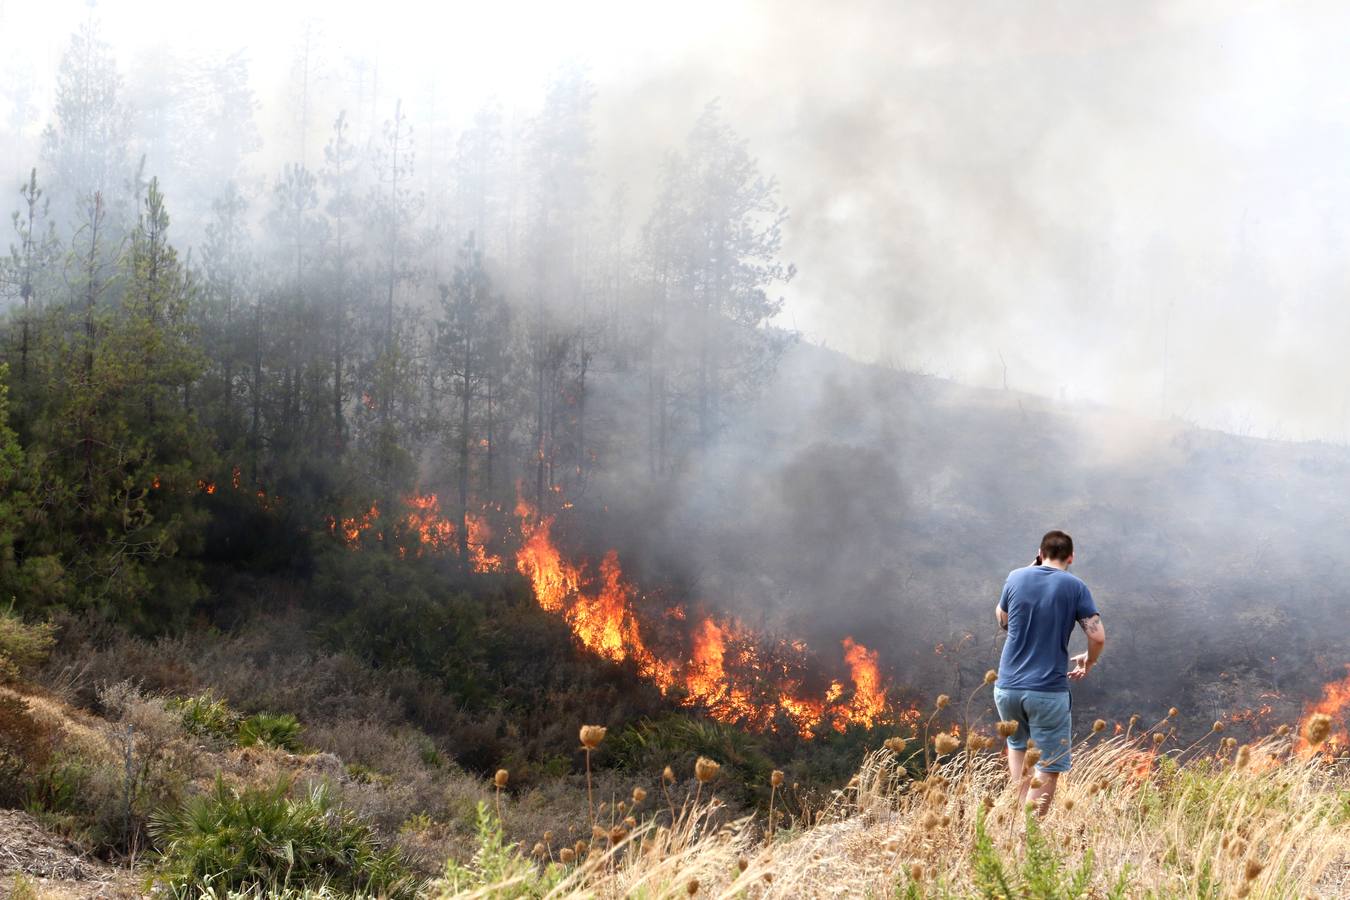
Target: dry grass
1151, 827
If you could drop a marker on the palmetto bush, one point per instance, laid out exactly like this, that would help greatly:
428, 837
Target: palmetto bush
279, 731
264, 842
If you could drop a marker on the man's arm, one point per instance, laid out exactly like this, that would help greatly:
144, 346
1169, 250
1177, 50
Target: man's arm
1096, 638
1002, 615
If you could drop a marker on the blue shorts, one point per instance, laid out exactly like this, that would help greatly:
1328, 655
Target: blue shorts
1043, 715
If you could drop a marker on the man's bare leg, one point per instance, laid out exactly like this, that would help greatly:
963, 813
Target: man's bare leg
1016, 761
1044, 795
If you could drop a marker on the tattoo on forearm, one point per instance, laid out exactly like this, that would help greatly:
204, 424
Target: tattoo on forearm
1092, 625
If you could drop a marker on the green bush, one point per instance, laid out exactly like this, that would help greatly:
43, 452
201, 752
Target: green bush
22, 646
262, 842
497, 870
58, 787
679, 739
208, 717
24, 748
281, 732
1041, 875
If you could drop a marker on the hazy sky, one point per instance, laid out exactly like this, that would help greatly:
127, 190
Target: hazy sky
1094, 193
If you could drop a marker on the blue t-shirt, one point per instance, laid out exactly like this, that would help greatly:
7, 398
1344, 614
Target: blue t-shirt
1043, 604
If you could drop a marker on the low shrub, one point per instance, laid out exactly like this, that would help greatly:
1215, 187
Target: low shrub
281, 732
23, 646
206, 716
497, 869
678, 740
100, 787
264, 842
1041, 874
24, 748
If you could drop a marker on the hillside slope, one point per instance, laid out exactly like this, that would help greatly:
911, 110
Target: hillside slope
858, 500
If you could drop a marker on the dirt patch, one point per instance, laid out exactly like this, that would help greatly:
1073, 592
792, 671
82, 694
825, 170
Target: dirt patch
1336, 881
54, 867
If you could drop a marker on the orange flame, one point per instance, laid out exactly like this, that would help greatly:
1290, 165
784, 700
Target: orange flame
351, 529
554, 579
422, 528
424, 520
730, 671
869, 697
480, 535
1335, 702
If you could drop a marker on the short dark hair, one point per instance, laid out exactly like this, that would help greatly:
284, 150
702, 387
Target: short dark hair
1056, 545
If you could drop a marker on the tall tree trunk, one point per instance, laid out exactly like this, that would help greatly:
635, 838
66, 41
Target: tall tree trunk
90, 301
489, 485
339, 338
26, 288
254, 427
387, 400
227, 348
464, 405
540, 365
581, 415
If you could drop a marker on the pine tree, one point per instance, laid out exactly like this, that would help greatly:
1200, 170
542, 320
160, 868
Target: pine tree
225, 260
30, 578
123, 451
559, 159
470, 335
339, 178
394, 209
727, 259
86, 144
31, 262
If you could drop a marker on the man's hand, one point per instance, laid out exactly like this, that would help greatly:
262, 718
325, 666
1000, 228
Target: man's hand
1081, 666
1096, 638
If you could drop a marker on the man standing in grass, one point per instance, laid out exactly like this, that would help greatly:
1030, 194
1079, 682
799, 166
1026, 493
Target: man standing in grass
1038, 608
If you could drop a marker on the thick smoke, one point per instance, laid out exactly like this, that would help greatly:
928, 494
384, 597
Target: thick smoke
1129, 203
1132, 203
866, 501
1068, 210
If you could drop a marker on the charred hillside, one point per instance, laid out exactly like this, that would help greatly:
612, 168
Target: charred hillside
859, 500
